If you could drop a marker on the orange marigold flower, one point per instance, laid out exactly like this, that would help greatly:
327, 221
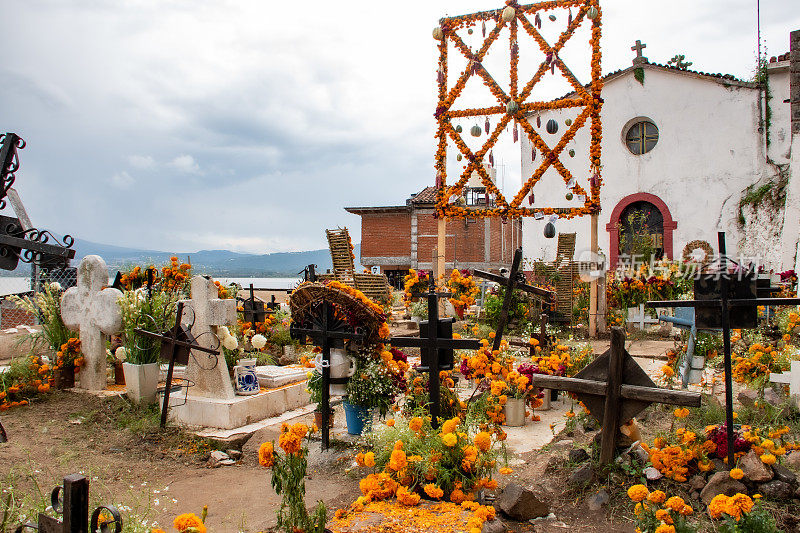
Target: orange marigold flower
369, 459
398, 460
638, 493
266, 454
189, 520
390, 422
407, 498
483, 441
737, 473
656, 496
717, 506
415, 424
433, 491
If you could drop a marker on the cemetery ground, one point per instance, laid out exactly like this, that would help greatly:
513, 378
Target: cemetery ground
153, 475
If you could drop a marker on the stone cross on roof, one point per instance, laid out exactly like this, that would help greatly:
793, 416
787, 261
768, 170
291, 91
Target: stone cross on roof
92, 308
638, 47
209, 373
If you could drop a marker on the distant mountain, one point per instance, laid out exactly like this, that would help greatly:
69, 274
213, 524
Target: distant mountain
219, 263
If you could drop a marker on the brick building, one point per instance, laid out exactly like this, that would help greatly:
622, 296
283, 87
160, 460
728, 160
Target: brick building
396, 238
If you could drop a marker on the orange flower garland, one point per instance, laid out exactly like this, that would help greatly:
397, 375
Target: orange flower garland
513, 106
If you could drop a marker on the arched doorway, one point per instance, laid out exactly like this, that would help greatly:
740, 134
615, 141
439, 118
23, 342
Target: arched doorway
635, 218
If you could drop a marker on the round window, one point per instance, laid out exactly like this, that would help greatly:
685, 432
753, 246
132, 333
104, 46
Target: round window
641, 137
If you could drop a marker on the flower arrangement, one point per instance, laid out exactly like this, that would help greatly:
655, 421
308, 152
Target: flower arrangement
136, 277
69, 356
46, 306
417, 395
154, 313
463, 290
655, 513
373, 385
26, 378
288, 480
513, 106
415, 282
175, 276
741, 514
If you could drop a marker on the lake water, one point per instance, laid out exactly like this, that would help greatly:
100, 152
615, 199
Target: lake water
12, 285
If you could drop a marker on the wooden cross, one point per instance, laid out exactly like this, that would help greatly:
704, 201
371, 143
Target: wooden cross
72, 502
724, 301
515, 280
326, 331
436, 344
614, 389
92, 308
253, 309
176, 346
638, 47
210, 312
791, 378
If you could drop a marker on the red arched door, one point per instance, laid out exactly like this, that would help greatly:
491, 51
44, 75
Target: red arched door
658, 219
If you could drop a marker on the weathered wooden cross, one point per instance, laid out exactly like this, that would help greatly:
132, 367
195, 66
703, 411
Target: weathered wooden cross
614, 389
253, 308
176, 345
92, 308
436, 344
326, 331
515, 280
727, 301
72, 502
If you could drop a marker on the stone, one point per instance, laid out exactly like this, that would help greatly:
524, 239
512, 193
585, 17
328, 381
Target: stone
748, 398
234, 454
91, 307
273, 376
235, 441
578, 455
754, 470
554, 463
219, 458
562, 444
721, 483
209, 313
776, 490
599, 500
494, 526
697, 482
590, 424
582, 476
772, 397
792, 460
784, 474
652, 473
521, 504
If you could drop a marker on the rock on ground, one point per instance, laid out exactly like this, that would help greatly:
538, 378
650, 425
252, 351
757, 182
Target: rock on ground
599, 500
582, 476
755, 470
776, 490
521, 504
721, 483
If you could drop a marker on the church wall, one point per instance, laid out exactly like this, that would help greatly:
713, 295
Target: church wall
708, 152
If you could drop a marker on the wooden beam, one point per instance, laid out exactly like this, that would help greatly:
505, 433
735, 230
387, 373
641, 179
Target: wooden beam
608, 442
672, 397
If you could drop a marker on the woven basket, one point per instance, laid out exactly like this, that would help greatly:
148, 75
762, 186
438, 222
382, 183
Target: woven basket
307, 296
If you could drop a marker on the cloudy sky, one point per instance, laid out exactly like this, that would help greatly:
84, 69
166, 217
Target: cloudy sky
181, 125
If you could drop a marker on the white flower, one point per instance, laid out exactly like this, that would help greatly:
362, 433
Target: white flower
223, 332
121, 354
230, 342
258, 341
56, 286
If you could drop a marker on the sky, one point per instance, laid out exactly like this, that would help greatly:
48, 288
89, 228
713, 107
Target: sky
182, 125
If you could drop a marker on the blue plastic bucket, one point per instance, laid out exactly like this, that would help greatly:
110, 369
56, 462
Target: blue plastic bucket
357, 417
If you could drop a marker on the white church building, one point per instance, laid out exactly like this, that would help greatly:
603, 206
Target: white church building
700, 152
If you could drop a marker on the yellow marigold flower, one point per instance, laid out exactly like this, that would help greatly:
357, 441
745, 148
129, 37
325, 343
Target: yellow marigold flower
449, 439
656, 496
433, 491
450, 425
407, 498
266, 455
189, 520
665, 528
717, 506
675, 503
505, 470
737, 473
398, 461
369, 459
483, 441
638, 493
768, 459
415, 424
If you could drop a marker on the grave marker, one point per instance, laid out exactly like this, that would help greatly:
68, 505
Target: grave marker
614, 389
720, 300
791, 378
436, 344
92, 308
209, 374
253, 308
72, 502
515, 280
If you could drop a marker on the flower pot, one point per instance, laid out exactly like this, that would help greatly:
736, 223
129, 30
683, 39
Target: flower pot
546, 399
141, 381
514, 409
357, 418
341, 365
119, 373
318, 419
65, 377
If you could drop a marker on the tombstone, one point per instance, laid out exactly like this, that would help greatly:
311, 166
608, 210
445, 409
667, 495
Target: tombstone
791, 378
638, 317
91, 308
208, 373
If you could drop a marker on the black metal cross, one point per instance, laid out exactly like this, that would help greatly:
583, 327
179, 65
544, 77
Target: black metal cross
515, 280
326, 331
176, 345
719, 300
436, 344
253, 309
72, 501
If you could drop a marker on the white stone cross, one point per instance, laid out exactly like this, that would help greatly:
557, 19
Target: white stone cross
640, 319
210, 380
792, 378
92, 308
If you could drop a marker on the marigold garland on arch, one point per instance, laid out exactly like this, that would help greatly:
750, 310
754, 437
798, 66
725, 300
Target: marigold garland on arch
512, 108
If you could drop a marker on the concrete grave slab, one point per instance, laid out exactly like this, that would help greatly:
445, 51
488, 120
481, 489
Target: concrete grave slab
273, 376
